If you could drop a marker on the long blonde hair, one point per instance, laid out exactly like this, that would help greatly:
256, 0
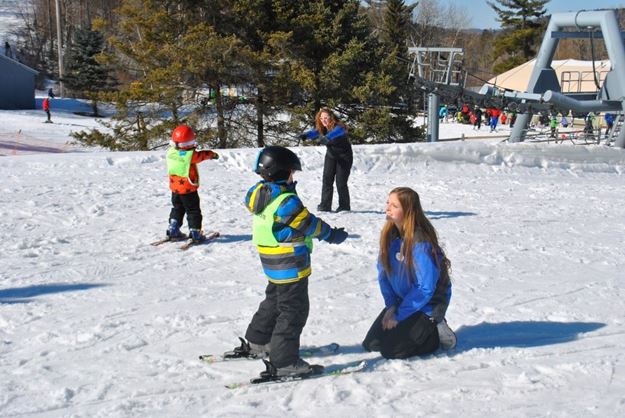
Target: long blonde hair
333, 121
416, 227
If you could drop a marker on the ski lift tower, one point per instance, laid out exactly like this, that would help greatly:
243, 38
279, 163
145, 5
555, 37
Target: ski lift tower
439, 66
587, 24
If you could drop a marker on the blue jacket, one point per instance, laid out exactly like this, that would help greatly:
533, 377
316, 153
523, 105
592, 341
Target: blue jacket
336, 140
609, 119
410, 295
292, 223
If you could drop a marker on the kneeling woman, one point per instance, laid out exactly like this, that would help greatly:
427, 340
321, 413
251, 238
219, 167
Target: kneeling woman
413, 274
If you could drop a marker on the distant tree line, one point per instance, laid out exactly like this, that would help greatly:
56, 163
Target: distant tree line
166, 62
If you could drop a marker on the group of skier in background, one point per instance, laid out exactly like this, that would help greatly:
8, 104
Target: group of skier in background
475, 116
493, 116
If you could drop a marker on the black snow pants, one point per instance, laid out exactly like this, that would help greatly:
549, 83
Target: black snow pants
339, 168
414, 336
188, 203
279, 321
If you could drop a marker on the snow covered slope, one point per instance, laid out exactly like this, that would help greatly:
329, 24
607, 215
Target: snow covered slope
96, 322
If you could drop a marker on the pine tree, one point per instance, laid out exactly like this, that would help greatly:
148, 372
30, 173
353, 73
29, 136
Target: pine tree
210, 59
395, 38
85, 74
293, 56
397, 19
213, 58
169, 53
329, 50
142, 45
257, 26
338, 63
522, 24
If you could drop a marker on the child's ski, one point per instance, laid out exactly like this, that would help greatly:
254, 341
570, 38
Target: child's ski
209, 237
182, 237
328, 349
328, 371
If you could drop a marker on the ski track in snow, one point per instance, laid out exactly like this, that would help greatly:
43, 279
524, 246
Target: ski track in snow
96, 322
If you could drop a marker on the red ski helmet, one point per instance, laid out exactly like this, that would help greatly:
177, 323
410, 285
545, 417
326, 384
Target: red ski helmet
183, 137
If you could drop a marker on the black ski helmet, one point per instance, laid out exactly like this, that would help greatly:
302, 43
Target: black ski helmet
276, 163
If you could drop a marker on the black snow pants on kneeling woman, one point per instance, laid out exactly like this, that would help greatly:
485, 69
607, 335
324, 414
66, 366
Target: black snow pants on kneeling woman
414, 336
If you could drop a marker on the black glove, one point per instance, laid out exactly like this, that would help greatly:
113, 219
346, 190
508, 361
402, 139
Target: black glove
303, 137
322, 140
337, 235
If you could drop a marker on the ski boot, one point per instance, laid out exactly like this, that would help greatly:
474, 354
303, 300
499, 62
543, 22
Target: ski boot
248, 350
173, 231
196, 235
446, 336
298, 370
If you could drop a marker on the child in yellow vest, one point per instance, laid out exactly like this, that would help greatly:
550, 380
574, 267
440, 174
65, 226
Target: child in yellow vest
283, 232
184, 181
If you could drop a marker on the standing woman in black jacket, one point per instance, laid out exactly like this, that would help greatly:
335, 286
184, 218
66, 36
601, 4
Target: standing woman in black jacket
332, 133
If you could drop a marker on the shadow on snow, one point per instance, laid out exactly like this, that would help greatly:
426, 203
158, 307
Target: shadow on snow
521, 334
23, 294
234, 238
443, 215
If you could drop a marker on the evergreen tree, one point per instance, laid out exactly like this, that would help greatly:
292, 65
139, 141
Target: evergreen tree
143, 45
395, 38
256, 24
293, 56
397, 20
169, 56
85, 74
326, 47
523, 25
337, 63
214, 60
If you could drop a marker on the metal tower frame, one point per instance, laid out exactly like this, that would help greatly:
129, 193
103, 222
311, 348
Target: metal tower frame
442, 66
544, 84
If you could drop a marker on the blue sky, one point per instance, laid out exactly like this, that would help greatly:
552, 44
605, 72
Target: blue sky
482, 15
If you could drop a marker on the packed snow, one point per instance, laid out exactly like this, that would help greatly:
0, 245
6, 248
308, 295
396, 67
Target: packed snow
96, 322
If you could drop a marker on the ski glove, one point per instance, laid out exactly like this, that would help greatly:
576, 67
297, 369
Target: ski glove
337, 235
323, 140
303, 137
215, 156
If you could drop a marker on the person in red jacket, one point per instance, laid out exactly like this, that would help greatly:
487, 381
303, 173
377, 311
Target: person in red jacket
46, 108
494, 118
184, 181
